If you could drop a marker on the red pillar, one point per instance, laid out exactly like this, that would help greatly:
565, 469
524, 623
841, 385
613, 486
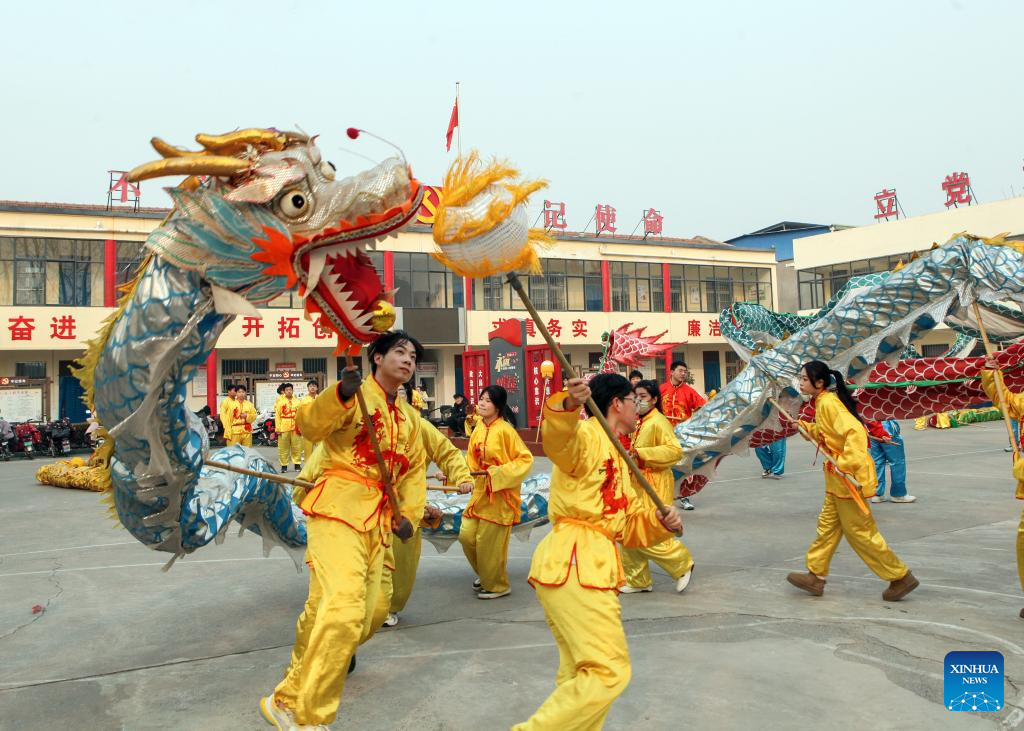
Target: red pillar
606, 286
211, 382
110, 273
467, 287
668, 363
389, 270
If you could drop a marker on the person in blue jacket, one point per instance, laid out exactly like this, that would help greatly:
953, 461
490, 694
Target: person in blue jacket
891, 453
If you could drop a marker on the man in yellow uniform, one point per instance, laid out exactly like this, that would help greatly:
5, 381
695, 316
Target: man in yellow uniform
243, 414
576, 569
657, 450
226, 413
349, 526
1015, 410
289, 444
312, 389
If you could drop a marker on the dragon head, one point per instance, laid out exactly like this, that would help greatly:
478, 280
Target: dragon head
261, 213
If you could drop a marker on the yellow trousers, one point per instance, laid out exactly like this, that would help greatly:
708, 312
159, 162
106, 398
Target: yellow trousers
307, 448
344, 595
593, 659
486, 546
289, 444
244, 439
842, 518
407, 560
1020, 550
672, 556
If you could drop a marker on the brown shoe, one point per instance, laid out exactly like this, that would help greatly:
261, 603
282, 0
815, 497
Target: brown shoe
900, 588
1022, 613
808, 582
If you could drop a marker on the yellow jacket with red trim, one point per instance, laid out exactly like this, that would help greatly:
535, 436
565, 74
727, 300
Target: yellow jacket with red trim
1015, 407
498, 450
284, 413
243, 414
657, 450
349, 487
592, 505
842, 435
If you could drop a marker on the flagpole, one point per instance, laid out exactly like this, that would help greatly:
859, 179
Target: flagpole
458, 127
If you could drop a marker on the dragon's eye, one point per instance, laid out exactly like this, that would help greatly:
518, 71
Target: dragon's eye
293, 204
327, 169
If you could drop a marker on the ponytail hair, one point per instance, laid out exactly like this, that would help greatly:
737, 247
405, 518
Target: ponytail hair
499, 397
818, 372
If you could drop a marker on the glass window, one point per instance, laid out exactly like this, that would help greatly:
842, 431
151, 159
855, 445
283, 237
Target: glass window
30, 369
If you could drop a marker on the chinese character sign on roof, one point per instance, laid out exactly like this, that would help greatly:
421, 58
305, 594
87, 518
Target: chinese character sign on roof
652, 222
604, 215
958, 189
554, 215
121, 191
886, 203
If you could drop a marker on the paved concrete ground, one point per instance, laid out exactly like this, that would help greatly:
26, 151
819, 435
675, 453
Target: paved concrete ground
122, 645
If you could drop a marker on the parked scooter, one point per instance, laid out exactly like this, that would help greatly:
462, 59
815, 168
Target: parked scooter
26, 438
263, 432
58, 437
6, 436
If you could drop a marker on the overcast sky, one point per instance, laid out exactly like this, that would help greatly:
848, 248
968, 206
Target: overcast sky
727, 117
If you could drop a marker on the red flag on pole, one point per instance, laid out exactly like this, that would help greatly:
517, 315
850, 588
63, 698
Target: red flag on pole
452, 124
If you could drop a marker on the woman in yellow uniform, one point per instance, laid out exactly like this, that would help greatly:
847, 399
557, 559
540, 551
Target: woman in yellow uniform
243, 414
227, 414
1015, 410
656, 449
289, 444
312, 389
576, 570
497, 450
839, 432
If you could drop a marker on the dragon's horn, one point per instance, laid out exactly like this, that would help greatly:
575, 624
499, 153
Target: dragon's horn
167, 150
239, 140
218, 165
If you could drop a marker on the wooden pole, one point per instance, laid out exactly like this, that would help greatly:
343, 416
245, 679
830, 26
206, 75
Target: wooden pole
273, 477
513, 279
1000, 386
850, 480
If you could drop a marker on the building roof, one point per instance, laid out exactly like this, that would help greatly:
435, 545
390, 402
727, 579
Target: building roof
81, 209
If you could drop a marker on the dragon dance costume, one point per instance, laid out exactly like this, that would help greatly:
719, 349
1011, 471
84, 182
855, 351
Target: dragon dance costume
308, 445
349, 531
576, 569
657, 450
494, 507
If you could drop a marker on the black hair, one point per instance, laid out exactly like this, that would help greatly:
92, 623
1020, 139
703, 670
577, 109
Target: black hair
607, 386
312, 382
283, 386
818, 372
499, 397
652, 388
230, 387
459, 395
390, 340
635, 374
677, 363
241, 387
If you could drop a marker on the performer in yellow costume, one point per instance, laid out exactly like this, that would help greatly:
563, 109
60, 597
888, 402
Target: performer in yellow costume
243, 414
838, 430
312, 389
576, 569
227, 413
497, 450
656, 449
349, 526
1015, 410
289, 443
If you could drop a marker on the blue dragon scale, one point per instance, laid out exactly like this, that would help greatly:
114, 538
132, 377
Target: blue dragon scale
260, 213
874, 321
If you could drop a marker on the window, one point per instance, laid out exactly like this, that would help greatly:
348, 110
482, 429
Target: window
733, 365
129, 257
314, 366
425, 283
637, 287
231, 368
697, 288
40, 271
566, 285
818, 285
31, 369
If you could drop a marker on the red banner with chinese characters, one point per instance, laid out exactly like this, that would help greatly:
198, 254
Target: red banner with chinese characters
476, 373
537, 390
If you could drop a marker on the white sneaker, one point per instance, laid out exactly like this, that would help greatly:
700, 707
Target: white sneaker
684, 581
764, 475
492, 594
904, 499
880, 499
685, 504
278, 717
477, 587
773, 476
627, 589
392, 620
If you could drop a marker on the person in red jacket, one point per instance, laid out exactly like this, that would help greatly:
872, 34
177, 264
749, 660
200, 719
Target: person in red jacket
678, 402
